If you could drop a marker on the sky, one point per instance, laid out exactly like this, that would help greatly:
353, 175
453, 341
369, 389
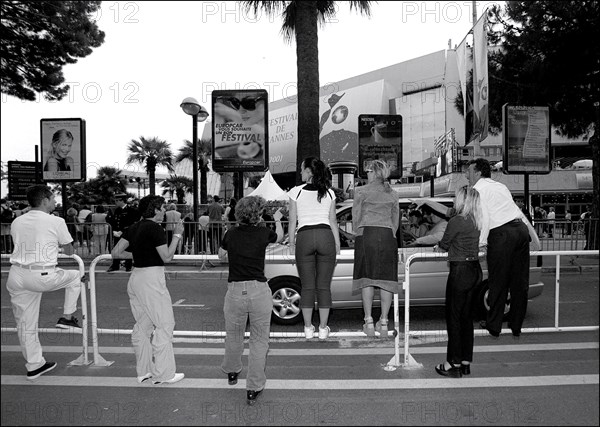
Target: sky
155, 54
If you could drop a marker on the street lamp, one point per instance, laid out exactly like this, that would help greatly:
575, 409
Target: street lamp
199, 114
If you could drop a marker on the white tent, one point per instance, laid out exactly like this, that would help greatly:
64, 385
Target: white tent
268, 189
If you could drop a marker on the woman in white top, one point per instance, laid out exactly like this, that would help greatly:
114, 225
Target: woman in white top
312, 214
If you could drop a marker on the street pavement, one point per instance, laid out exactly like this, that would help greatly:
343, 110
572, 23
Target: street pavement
541, 379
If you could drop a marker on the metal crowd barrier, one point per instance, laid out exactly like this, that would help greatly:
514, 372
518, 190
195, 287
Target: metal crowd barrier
409, 361
83, 358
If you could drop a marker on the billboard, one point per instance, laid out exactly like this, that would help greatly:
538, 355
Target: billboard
62, 143
380, 137
526, 140
240, 130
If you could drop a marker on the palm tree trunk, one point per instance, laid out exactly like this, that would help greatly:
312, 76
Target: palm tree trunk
152, 179
307, 53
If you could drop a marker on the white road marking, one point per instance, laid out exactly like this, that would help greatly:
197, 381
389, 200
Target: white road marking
316, 384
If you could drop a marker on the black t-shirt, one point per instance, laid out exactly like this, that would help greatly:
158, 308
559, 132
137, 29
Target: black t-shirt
144, 237
245, 246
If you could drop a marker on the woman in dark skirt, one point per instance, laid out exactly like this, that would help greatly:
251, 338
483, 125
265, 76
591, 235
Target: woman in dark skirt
375, 218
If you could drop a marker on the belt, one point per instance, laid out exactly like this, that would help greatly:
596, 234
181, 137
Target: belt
514, 221
34, 267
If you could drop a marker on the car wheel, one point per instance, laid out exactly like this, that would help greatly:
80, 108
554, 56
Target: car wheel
483, 305
286, 301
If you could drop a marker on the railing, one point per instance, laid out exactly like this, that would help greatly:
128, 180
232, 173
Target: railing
83, 358
409, 362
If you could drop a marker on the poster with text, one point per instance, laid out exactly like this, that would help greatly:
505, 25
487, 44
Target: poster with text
380, 137
526, 140
62, 143
240, 130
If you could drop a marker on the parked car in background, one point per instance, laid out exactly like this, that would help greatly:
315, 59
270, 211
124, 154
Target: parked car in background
427, 280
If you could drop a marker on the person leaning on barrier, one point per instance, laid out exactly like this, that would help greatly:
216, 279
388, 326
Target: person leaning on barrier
38, 235
151, 305
248, 294
505, 233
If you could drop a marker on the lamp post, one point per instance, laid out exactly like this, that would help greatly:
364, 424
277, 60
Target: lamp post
199, 114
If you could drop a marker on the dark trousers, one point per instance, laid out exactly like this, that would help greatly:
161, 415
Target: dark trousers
216, 235
116, 264
508, 268
315, 260
460, 289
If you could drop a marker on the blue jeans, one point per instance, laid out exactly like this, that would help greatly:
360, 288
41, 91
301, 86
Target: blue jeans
249, 299
315, 260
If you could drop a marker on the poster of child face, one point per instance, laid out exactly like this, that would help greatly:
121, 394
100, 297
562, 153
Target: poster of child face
380, 137
62, 143
240, 130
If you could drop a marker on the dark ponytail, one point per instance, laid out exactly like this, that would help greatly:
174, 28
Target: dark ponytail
321, 175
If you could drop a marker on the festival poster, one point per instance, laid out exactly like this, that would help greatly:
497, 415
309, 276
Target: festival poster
239, 130
62, 143
380, 137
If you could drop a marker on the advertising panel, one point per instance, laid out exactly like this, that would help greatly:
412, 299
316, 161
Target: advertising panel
20, 176
526, 140
240, 130
62, 144
380, 137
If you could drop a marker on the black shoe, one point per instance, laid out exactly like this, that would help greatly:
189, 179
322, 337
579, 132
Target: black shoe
111, 269
71, 323
252, 395
128, 269
494, 335
32, 375
232, 378
465, 369
454, 372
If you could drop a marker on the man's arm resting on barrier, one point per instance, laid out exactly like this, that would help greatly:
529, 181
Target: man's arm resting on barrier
119, 251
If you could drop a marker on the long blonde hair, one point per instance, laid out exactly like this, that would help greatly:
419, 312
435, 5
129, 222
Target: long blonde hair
468, 204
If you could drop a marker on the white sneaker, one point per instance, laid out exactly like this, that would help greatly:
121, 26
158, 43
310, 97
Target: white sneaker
176, 377
309, 332
324, 332
144, 378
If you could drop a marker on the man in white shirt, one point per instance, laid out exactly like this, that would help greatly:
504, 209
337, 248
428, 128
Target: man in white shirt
38, 235
507, 240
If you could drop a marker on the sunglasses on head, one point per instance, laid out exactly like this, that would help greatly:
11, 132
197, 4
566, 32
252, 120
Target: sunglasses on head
247, 103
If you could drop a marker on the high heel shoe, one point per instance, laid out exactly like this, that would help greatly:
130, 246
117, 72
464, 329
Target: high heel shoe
382, 328
232, 378
368, 328
454, 372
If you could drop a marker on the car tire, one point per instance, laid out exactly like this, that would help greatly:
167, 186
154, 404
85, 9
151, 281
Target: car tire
482, 306
286, 293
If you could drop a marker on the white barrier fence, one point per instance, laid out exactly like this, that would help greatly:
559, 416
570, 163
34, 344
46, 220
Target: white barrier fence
409, 362
83, 358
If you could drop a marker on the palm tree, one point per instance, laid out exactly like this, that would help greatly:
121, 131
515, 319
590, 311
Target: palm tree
110, 181
301, 20
204, 147
150, 153
178, 185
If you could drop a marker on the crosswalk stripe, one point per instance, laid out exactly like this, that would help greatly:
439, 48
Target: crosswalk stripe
331, 351
316, 384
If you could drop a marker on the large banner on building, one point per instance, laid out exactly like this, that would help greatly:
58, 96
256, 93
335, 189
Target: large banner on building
526, 133
62, 143
380, 137
480, 78
240, 130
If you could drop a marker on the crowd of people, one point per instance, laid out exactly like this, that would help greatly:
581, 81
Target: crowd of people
147, 236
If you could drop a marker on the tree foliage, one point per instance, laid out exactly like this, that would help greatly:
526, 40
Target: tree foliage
150, 153
547, 56
204, 147
178, 186
38, 39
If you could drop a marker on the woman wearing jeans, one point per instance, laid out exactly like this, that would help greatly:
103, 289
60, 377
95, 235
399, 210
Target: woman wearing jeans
312, 213
248, 294
461, 240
